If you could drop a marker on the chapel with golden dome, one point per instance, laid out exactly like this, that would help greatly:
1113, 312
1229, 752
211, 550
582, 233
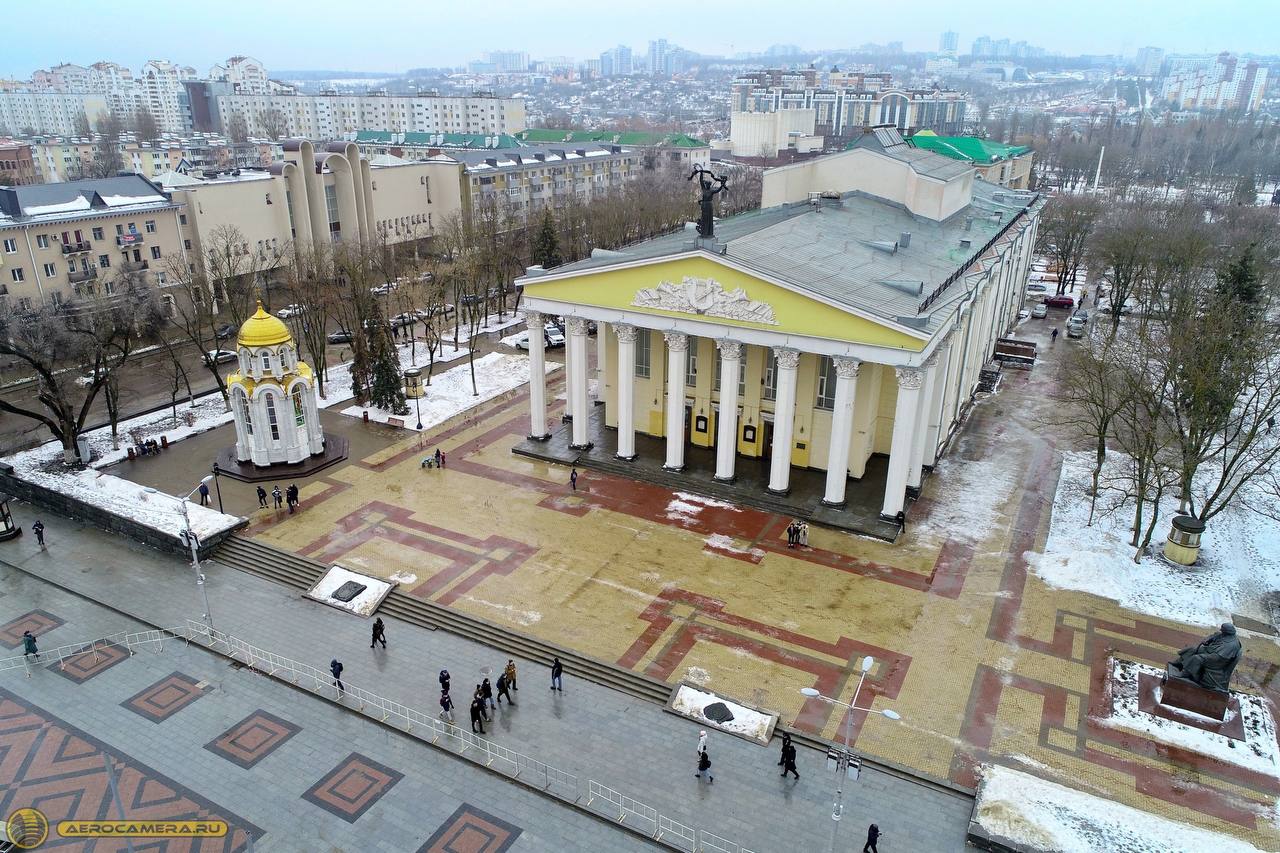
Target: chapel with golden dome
273, 396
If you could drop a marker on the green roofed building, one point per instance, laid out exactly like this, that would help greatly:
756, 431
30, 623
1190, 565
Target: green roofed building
1006, 165
677, 148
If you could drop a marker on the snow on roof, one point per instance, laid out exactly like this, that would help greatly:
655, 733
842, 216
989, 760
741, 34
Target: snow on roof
122, 200
73, 206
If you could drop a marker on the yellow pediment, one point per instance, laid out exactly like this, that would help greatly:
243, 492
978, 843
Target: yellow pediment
703, 288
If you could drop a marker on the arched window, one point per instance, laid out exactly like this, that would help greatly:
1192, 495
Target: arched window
272, 421
246, 361
242, 410
266, 361
299, 406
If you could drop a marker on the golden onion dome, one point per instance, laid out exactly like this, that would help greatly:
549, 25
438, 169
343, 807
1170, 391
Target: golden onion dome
263, 330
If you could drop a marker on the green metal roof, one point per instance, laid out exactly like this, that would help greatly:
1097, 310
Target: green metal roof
969, 148
551, 136
469, 141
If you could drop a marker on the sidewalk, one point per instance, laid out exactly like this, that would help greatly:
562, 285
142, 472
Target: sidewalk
592, 731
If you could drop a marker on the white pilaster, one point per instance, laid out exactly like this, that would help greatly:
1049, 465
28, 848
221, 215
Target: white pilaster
904, 419
727, 422
841, 430
626, 390
915, 473
537, 376
602, 332
784, 415
677, 362
577, 390
934, 429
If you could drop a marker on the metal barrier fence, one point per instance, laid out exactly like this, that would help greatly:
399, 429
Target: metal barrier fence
601, 799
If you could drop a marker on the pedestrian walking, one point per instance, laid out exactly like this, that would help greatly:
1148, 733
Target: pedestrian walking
204, 495
437, 457
442, 458
262, 497
510, 673
291, 495
444, 680
802, 535
1054, 334
789, 760
478, 696
277, 497
786, 742
446, 707
335, 666
29, 645
704, 766
573, 479
38, 530
486, 693
873, 835
477, 712
379, 633
702, 741
557, 672
503, 689
793, 533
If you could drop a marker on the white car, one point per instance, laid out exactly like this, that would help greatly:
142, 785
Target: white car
219, 356
384, 289
1040, 311
292, 310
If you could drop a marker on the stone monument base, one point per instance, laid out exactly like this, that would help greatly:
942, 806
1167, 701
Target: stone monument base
335, 450
1183, 694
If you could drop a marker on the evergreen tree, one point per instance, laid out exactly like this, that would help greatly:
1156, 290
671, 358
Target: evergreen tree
546, 244
1239, 279
386, 389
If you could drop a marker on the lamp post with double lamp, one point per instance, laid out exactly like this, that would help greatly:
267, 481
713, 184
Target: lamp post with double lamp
189, 537
844, 759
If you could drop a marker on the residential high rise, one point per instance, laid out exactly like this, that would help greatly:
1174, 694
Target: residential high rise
1222, 83
246, 75
616, 62
331, 115
1149, 61
949, 44
983, 46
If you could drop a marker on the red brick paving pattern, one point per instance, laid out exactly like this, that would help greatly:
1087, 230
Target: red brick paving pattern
38, 622
470, 830
351, 788
252, 739
165, 698
97, 660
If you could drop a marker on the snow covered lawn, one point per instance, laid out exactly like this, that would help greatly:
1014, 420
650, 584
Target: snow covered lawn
491, 323
1257, 752
1239, 558
686, 506
450, 392
1018, 808
337, 382
752, 725
363, 604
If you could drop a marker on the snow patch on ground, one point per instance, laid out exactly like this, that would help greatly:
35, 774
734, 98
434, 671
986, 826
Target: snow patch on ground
363, 604
404, 578
1239, 556
706, 501
450, 392
697, 675
490, 324
726, 543
750, 724
969, 496
1257, 752
337, 378
1042, 815
524, 617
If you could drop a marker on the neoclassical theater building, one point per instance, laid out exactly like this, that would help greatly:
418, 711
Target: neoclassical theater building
847, 318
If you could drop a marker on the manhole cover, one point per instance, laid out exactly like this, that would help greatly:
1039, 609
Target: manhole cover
717, 712
348, 591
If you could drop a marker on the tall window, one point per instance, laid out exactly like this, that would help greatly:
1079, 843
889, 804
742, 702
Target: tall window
826, 383
691, 363
242, 404
331, 205
270, 400
299, 416
770, 376
642, 353
266, 361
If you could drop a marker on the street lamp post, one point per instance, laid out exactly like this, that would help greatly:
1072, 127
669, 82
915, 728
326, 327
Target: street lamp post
217, 485
845, 758
190, 539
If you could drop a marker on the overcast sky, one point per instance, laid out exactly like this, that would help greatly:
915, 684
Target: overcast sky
393, 35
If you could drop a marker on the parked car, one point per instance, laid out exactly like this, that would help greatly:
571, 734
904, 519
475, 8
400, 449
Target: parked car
1075, 328
384, 289
1059, 301
341, 336
1023, 313
555, 337
1081, 315
1040, 311
292, 310
404, 319
219, 356
1035, 287
226, 330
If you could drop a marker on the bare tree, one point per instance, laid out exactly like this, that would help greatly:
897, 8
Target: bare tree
274, 123
237, 128
80, 125
145, 127
1065, 227
107, 161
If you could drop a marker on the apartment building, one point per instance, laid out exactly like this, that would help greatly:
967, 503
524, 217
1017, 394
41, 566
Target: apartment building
657, 149
842, 112
1223, 82
244, 74
333, 116
535, 176
59, 241
17, 164
48, 112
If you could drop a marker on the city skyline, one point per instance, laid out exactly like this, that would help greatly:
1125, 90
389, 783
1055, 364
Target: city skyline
451, 37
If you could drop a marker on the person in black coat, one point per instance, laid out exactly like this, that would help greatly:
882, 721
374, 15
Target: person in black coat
789, 760
446, 707
873, 835
477, 708
704, 766
478, 696
486, 693
503, 690
557, 672
444, 680
335, 666
379, 633
786, 742
262, 497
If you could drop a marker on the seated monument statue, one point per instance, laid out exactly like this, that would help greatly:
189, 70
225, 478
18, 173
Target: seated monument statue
1210, 662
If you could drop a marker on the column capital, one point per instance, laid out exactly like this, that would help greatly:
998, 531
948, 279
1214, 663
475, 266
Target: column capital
729, 350
846, 368
625, 332
788, 359
931, 361
676, 341
910, 378
577, 326
533, 319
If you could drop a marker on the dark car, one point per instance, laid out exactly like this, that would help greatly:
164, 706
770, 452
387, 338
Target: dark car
341, 336
1059, 301
224, 331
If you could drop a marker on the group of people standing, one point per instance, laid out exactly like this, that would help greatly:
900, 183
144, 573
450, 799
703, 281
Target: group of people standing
289, 496
798, 534
487, 696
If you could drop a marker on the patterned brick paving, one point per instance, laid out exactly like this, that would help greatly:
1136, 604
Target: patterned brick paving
97, 660
165, 698
252, 739
51, 765
351, 788
38, 622
470, 830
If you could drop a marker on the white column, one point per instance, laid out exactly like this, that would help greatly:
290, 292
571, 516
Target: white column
577, 390
537, 376
904, 419
784, 416
915, 473
677, 362
602, 332
626, 389
934, 430
727, 422
841, 430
